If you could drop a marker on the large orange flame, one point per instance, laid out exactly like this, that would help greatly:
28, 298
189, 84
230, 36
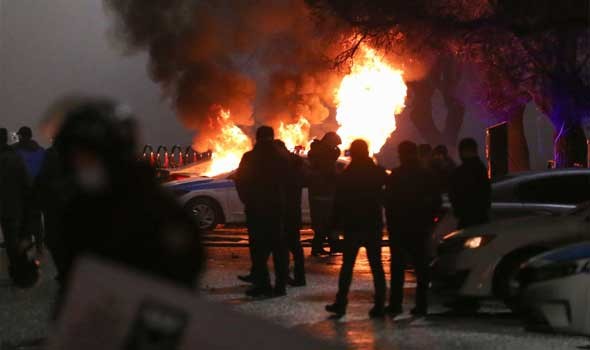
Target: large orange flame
228, 146
368, 100
296, 134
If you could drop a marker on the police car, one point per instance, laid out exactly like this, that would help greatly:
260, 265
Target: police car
214, 200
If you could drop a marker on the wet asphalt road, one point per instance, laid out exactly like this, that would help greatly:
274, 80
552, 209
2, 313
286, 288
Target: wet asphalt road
24, 314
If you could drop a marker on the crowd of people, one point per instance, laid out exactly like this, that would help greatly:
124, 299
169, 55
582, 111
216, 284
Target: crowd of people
88, 194
351, 200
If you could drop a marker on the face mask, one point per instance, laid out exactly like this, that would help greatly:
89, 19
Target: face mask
92, 178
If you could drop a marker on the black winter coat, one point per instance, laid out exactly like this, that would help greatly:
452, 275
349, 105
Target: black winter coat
470, 193
136, 223
359, 197
262, 178
412, 200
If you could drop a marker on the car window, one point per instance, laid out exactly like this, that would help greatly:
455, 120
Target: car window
563, 189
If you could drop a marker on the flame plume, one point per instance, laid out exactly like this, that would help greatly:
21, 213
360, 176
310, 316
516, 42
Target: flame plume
228, 145
368, 100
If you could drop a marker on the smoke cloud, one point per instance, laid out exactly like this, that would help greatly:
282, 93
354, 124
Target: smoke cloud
264, 60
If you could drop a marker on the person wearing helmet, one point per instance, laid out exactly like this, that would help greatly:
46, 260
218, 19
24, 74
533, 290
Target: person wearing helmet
323, 156
117, 210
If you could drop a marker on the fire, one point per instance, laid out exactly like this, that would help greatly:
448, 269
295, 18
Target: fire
296, 134
368, 100
228, 146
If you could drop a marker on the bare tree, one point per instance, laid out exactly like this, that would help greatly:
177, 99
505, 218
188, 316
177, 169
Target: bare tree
527, 50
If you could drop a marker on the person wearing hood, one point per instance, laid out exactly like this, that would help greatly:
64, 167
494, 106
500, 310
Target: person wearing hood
323, 156
359, 207
470, 189
117, 211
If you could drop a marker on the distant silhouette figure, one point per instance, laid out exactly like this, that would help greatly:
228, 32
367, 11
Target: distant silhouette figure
261, 181
322, 158
293, 214
442, 165
425, 155
358, 210
33, 156
14, 191
412, 199
470, 187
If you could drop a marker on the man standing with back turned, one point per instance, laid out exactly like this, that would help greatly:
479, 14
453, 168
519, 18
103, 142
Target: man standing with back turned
358, 202
261, 182
412, 199
470, 189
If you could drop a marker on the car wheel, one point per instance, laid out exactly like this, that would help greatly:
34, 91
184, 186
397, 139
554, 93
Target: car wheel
506, 284
206, 211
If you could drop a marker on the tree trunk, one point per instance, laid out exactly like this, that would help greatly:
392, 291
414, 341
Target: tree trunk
570, 147
518, 148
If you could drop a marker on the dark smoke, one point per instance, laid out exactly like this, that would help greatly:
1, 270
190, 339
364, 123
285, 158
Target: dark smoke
265, 60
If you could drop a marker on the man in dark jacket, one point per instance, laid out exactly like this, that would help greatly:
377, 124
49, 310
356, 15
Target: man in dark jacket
118, 211
293, 214
470, 188
261, 182
33, 156
322, 157
13, 191
442, 165
412, 200
358, 206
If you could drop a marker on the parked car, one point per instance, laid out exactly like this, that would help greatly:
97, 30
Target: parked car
524, 194
215, 201
483, 261
556, 289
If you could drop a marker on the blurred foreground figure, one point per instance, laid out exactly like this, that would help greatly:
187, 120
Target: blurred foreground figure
322, 179
411, 202
261, 181
470, 188
117, 211
293, 222
33, 156
358, 205
14, 192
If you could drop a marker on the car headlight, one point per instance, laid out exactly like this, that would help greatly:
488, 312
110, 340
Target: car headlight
477, 242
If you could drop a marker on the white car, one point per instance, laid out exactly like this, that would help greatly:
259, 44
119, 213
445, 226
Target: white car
531, 193
556, 290
483, 261
215, 201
